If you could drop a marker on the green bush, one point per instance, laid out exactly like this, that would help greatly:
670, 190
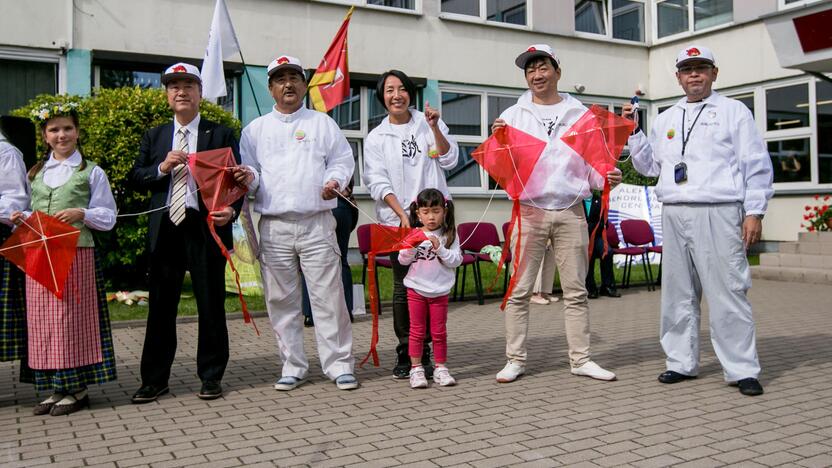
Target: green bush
112, 124
629, 175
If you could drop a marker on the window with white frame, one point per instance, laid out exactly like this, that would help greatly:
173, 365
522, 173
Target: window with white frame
24, 79
403, 4
411, 6
593, 17
686, 16
111, 74
782, 4
498, 11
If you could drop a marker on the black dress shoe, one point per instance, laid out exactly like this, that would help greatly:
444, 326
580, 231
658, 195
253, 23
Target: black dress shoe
307, 321
210, 390
61, 410
592, 294
750, 386
43, 408
148, 393
609, 292
670, 376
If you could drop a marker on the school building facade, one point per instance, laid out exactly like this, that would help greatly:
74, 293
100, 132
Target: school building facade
461, 54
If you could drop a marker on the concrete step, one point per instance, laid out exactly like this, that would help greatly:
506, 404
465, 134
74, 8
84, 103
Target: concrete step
824, 237
808, 247
781, 259
792, 274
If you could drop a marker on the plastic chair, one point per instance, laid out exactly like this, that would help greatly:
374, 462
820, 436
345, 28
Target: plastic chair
363, 234
472, 238
657, 249
638, 236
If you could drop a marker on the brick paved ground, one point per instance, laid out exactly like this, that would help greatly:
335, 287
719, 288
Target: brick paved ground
547, 418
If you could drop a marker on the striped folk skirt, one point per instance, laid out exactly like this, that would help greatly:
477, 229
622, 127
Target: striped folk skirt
12, 308
70, 343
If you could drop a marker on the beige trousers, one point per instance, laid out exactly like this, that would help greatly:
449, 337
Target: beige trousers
567, 231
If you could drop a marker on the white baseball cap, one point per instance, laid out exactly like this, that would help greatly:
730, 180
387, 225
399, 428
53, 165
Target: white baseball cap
536, 50
181, 70
285, 61
694, 52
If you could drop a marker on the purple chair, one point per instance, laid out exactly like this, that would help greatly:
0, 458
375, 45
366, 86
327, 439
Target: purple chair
472, 238
363, 234
638, 236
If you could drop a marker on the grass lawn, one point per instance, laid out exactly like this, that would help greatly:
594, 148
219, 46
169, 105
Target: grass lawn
187, 305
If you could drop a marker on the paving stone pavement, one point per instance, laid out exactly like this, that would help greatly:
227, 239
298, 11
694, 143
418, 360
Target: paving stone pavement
546, 418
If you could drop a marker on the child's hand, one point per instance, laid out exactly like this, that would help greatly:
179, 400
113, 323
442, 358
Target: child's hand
17, 218
434, 241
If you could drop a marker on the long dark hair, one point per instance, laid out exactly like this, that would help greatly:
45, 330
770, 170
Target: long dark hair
429, 198
409, 86
33, 172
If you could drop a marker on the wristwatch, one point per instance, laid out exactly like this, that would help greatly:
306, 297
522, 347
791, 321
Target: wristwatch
759, 216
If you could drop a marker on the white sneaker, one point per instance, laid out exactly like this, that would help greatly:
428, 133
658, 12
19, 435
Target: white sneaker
510, 372
442, 376
552, 299
417, 377
538, 299
590, 369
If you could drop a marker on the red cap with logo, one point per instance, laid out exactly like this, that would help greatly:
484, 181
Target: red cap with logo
694, 52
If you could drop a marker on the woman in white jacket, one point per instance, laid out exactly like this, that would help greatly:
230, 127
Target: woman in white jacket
408, 152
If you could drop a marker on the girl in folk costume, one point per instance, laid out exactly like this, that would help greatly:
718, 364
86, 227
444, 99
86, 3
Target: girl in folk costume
14, 196
428, 282
70, 343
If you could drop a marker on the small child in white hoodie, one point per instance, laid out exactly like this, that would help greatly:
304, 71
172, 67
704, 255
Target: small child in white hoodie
429, 280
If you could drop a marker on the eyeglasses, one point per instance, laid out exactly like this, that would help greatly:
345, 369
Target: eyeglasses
699, 69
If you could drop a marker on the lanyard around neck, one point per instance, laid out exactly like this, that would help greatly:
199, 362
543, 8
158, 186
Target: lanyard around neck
690, 130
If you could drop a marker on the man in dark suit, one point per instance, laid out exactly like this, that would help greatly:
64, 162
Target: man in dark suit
179, 239
593, 217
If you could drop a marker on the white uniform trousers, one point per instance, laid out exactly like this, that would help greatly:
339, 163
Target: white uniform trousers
307, 244
703, 252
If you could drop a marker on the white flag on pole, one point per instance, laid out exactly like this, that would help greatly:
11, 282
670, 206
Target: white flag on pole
222, 44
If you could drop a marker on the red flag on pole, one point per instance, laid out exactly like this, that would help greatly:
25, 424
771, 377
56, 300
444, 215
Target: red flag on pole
331, 82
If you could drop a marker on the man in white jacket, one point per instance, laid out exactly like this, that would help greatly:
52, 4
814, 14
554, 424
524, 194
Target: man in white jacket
552, 211
715, 180
296, 161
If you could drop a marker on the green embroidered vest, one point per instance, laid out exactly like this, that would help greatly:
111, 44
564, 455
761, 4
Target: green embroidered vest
75, 193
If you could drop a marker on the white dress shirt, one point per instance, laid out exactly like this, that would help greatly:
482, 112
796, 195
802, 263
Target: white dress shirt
14, 189
100, 213
726, 158
292, 157
191, 200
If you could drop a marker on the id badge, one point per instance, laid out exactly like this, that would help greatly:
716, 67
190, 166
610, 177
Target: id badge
680, 173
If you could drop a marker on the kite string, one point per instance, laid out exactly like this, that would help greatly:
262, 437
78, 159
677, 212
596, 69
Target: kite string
161, 208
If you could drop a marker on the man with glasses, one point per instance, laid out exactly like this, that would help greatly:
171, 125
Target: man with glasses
715, 180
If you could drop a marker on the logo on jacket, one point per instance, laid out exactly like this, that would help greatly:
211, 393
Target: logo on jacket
300, 135
671, 133
693, 52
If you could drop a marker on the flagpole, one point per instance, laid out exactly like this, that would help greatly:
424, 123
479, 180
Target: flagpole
250, 84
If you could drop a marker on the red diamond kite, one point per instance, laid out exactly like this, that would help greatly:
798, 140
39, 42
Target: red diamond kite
44, 248
219, 190
509, 156
598, 137
385, 239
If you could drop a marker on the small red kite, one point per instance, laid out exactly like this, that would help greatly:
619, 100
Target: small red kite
219, 190
385, 239
509, 156
44, 248
598, 137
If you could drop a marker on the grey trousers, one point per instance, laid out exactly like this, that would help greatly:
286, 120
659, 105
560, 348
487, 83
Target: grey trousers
703, 252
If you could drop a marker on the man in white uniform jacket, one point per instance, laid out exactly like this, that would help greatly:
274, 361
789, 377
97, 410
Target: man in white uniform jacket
552, 210
297, 159
714, 182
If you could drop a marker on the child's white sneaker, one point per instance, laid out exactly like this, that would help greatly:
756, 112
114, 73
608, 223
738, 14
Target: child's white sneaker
417, 377
443, 377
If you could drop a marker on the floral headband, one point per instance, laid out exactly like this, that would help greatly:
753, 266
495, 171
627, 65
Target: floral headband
48, 111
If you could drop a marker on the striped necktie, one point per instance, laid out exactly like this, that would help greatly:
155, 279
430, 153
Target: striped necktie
180, 183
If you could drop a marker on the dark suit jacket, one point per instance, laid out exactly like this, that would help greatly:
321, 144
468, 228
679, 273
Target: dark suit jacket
155, 145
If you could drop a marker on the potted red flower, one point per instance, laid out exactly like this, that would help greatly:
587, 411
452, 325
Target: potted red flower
818, 217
